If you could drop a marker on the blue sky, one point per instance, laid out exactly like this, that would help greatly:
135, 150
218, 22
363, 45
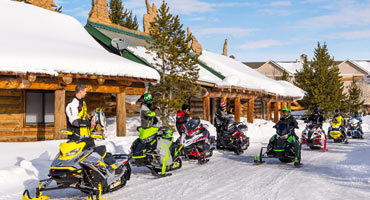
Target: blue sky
262, 30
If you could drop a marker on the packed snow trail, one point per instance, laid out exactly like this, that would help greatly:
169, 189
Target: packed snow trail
340, 173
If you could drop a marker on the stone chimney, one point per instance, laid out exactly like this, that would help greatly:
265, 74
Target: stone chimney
150, 16
99, 12
303, 58
225, 48
195, 45
47, 4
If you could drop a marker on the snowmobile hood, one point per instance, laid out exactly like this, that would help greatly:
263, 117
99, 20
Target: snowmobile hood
69, 150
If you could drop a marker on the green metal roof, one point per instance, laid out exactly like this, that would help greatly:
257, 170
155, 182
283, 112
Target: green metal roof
106, 33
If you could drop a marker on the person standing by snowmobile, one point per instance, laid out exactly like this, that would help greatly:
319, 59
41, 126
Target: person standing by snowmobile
316, 117
79, 124
182, 117
221, 117
148, 117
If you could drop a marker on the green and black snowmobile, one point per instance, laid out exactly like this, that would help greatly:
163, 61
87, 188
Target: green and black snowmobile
283, 146
155, 148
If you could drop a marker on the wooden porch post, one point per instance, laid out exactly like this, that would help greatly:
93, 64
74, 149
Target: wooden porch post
237, 109
59, 112
289, 105
206, 108
223, 99
268, 108
283, 105
276, 111
251, 110
121, 114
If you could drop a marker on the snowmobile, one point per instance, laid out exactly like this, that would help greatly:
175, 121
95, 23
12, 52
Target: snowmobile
197, 143
283, 146
354, 129
336, 132
156, 150
81, 168
233, 137
78, 166
314, 137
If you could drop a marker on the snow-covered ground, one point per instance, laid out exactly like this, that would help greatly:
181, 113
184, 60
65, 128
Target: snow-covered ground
341, 173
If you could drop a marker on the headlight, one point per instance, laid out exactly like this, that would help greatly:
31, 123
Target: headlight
73, 152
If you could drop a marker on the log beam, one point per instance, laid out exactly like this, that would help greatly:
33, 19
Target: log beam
237, 109
268, 110
206, 108
251, 110
121, 114
276, 111
59, 112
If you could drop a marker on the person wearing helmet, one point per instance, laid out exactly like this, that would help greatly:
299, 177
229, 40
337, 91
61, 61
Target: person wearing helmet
221, 117
288, 118
357, 116
182, 117
339, 118
316, 117
148, 117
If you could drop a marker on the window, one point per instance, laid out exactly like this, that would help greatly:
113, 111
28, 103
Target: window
39, 108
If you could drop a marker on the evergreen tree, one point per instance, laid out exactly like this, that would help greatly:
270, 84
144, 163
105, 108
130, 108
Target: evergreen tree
176, 66
354, 97
285, 76
121, 16
320, 78
58, 9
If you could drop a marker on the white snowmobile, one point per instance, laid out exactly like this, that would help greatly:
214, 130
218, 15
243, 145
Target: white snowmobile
78, 166
314, 137
196, 141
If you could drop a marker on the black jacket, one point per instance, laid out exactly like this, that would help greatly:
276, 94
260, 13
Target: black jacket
289, 120
316, 118
221, 118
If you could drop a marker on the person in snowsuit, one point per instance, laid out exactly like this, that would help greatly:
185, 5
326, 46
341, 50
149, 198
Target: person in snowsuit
291, 121
357, 116
79, 124
148, 117
316, 117
221, 118
340, 119
182, 117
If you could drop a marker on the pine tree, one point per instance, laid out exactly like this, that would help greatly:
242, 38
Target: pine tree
121, 16
176, 66
58, 9
354, 97
320, 78
285, 76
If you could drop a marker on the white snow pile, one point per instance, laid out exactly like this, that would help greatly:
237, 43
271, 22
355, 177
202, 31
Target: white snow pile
41, 41
238, 74
291, 67
150, 57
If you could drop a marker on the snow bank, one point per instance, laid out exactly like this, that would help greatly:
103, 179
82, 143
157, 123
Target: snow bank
238, 74
41, 41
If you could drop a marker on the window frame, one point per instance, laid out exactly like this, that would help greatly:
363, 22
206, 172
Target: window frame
35, 124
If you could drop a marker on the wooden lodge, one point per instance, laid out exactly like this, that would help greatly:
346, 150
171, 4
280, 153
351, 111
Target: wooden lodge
36, 82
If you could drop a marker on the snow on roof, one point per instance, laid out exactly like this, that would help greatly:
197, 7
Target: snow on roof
238, 74
291, 67
364, 64
41, 41
204, 75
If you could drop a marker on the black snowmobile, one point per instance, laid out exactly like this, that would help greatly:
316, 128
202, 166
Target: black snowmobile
79, 167
283, 146
197, 143
156, 150
233, 137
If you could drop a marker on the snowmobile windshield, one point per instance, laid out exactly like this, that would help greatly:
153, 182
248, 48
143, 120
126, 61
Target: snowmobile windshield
282, 129
312, 126
354, 121
193, 124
